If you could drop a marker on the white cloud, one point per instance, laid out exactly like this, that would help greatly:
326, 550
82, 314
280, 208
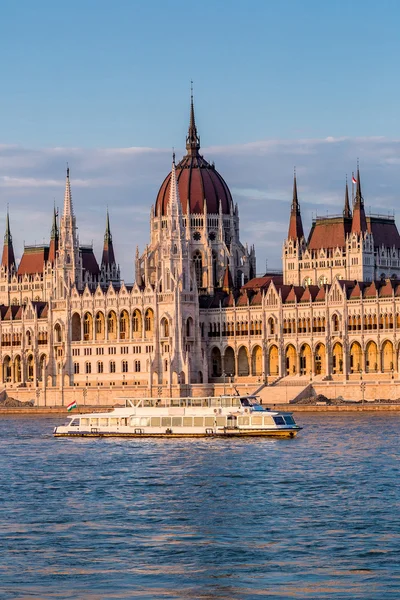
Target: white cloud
259, 174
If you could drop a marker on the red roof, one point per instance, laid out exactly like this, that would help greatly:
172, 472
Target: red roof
384, 231
386, 291
261, 283
329, 232
89, 261
33, 260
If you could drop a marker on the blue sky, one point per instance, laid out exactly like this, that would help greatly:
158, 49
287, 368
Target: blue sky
273, 81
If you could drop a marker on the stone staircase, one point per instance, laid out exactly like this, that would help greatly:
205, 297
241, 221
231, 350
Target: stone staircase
283, 393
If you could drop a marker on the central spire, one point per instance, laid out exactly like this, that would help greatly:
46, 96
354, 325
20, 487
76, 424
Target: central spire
192, 139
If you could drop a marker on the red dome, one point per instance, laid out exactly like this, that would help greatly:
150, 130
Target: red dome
199, 183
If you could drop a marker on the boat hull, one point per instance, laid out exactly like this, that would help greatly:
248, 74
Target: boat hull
277, 433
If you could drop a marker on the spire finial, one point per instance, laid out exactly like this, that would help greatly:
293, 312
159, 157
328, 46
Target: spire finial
295, 201
173, 154
192, 139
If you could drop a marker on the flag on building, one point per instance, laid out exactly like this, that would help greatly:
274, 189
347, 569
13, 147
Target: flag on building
353, 179
72, 405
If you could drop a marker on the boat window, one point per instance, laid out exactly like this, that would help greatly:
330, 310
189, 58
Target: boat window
103, 422
94, 422
74, 422
176, 421
256, 420
221, 421
187, 421
209, 421
113, 421
244, 421
155, 421
245, 402
289, 420
197, 421
144, 421
166, 421
279, 420
268, 420
124, 421
84, 421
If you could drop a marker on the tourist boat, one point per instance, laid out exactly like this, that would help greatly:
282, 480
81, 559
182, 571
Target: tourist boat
225, 416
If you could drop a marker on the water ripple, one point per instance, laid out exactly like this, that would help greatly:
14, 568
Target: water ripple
315, 517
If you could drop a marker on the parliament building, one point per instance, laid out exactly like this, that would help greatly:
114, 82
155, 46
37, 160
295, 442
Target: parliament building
197, 317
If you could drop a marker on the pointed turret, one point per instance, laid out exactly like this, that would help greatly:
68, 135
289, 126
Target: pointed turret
359, 224
108, 258
192, 140
8, 259
295, 223
53, 238
346, 210
227, 283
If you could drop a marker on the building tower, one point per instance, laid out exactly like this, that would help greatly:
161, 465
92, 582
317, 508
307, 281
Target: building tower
69, 263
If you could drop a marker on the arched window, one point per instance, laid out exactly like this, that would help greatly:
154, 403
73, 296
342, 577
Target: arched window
165, 327
214, 269
189, 323
198, 268
87, 326
148, 320
58, 334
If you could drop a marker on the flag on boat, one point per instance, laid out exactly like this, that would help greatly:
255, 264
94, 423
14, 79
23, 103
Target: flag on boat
72, 405
353, 179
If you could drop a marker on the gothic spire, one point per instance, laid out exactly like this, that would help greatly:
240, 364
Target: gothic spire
108, 248
359, 224
192, 139
346, 210
54, 228
53, 237
8, 259
295, 223
68, 207
174, 204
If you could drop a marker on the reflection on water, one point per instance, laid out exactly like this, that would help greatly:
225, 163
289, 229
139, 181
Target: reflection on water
314, 517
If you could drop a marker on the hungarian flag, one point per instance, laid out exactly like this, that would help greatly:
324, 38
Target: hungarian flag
72, 405
353, 179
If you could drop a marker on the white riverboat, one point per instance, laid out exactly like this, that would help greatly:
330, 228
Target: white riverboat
225, 416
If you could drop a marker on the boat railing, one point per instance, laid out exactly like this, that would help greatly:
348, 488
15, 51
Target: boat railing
200, 402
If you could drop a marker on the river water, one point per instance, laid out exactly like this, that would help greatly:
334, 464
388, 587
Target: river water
314, 517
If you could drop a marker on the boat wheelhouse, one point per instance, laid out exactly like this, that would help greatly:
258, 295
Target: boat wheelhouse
225, 416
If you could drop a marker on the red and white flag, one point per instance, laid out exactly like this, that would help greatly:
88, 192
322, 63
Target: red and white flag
353, 179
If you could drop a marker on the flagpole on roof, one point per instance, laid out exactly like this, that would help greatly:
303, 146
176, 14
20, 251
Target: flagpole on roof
352, 188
